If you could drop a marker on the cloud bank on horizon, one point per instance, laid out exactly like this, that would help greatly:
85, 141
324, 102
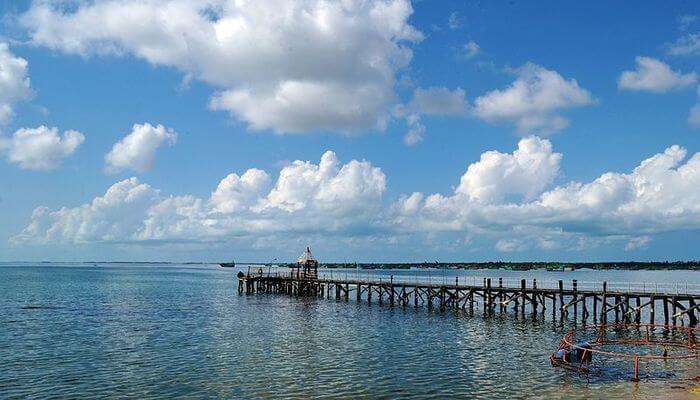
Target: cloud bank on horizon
504, 196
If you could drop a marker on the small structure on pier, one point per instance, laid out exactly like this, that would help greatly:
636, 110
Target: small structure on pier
306, 266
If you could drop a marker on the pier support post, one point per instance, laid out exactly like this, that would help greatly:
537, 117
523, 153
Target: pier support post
523, 296
501, 296
456, 298
533, 297
604, 305
442, 298
563, 311
471, 301
489, 300
574, 284
429, 297
595, 308
391, 293
673, 310
691, 313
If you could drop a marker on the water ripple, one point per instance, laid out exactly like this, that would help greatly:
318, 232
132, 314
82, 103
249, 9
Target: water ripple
145, 332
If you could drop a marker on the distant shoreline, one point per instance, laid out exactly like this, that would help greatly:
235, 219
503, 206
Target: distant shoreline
516, 266
525, 266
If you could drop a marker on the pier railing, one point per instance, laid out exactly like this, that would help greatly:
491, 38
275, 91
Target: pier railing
439, 279
627, 302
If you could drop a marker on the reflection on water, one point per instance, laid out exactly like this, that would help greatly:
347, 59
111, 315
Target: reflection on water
145, 331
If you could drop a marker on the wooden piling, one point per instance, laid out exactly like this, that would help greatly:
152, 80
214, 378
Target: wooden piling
501, 296
675, 306
533, 297
604, 305
561, 300
574, 285
523, 296
673, 311
693, 320
595, 308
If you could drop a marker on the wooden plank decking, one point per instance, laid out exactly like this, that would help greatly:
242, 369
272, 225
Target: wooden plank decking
492, 296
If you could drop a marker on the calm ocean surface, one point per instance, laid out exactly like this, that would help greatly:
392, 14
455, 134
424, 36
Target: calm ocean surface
147, 331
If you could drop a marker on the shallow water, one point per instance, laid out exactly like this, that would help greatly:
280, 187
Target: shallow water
183, 331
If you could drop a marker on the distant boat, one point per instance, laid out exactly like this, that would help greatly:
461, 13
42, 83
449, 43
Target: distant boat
560, 268
232, 264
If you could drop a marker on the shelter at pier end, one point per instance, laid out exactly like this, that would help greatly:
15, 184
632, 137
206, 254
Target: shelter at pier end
306, 266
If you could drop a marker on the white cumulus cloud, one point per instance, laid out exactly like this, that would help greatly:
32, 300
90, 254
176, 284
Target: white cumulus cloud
327, 186
110, 217
235, 193
285, 65
533, 102
659, 195
656, 76
507, 201
14, 82
525, 172
137, 150
40, 149
306, 197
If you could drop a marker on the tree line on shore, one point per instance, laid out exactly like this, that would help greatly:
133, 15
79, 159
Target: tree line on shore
524, 266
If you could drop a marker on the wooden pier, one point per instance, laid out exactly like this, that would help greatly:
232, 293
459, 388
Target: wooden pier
491, 297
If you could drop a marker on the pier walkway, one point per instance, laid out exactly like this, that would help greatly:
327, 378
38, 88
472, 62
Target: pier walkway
672, 305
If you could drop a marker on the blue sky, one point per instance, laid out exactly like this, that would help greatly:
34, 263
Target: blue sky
100, 68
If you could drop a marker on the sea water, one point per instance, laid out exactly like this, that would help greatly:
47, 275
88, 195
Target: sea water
165, 331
